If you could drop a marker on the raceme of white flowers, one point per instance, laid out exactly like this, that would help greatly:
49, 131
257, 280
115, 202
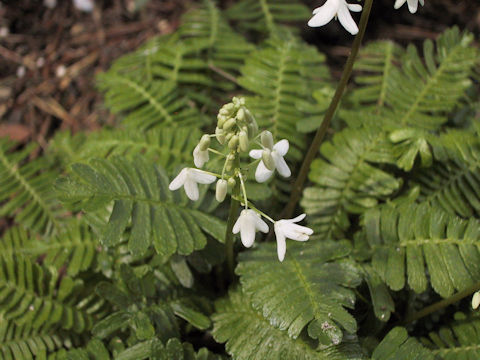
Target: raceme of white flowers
340, 9
237, 130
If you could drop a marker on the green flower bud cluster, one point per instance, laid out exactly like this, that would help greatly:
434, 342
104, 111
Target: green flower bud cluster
236, 126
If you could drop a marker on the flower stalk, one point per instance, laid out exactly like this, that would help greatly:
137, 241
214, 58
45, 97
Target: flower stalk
232, 217
322, 130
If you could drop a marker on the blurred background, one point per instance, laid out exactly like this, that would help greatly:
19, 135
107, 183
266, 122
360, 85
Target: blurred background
50, 51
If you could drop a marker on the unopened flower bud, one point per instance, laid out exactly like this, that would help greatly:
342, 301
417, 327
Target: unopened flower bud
231, 182
241, 114
229, 136
268, 159
266, 139
476, 300
221, 120
220, 134
204, 142
243, 141
252, 130
233, 143
229, 162
230, 123
221, 190
249, 117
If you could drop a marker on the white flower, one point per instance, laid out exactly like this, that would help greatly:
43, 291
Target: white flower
336, 8
476, 300
412, 4
247, 224
200, 157
279, 150
287, 229
188, 178
84, 5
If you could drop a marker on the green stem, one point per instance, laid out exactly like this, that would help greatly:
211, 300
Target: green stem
321, 131
442, 303
232, 217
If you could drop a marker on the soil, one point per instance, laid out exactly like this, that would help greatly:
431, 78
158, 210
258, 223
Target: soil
49, 57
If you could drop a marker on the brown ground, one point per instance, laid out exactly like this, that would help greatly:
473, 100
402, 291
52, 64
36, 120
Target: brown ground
49, 58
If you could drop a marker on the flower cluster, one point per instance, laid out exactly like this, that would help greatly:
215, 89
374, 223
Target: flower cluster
236, 131
341, 9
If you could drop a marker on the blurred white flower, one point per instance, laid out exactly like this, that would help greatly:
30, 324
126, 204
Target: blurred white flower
200, 157
84, 5
189, 178
412, 4
50, 3
278, 151
287, 228
476, 300
336, 8
247, 224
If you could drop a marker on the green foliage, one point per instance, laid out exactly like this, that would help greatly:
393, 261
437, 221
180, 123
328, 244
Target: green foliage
397, 345
25, 342
142, 203
281, 74
168, 147
408, 240
458, 340
73, 248
25, 188
346, 180
29, 294
419, 93
264, 15
250, 335
311, 287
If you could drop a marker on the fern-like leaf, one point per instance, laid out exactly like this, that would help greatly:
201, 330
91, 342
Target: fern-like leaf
168, 147
73, 248
397, 345
458, 340
409, 239
281, 74
25, 189
265, 15
25, 342
250, 336
346, 181
142, 202
28, 296
309, 288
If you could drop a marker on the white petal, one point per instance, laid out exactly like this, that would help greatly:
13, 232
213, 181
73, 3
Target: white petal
281, 147
297, 232
256, 154
412, 5
281, 244
236, 227
200, 157
298, 218
399, 3
201, 177
354, 7
261, 225
346, 20
247, 232
324, 14
281, 165
262, 174
191, 189
178, 182
421, 2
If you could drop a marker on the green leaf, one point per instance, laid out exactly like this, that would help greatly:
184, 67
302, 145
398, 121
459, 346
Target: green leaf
411, 241
142, 203
311, 287
346, 181
398, 346
249, 335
